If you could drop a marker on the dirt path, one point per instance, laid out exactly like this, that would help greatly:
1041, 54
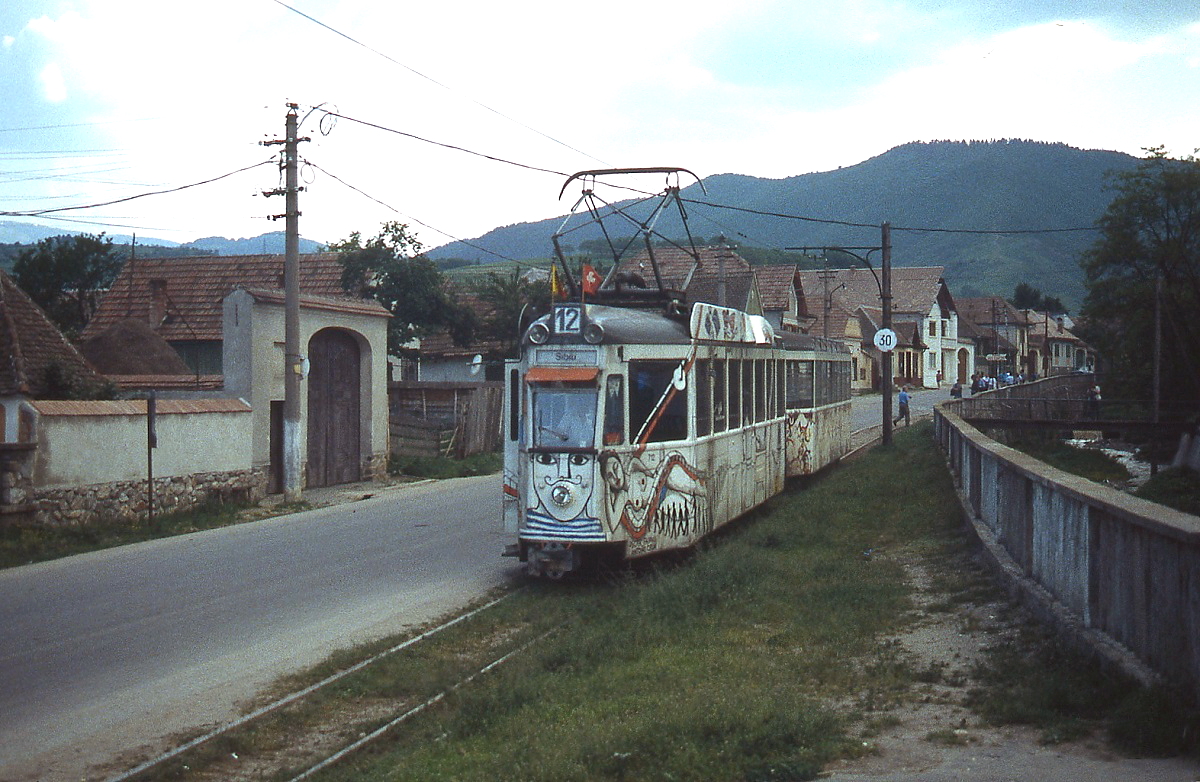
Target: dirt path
930, 735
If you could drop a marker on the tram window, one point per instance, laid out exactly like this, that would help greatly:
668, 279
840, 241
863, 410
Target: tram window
735, 393
760, 389
780, 388
657, 410
704, 390
747, 388
804, 383
564, 416
614, 410
514, 404
718, 386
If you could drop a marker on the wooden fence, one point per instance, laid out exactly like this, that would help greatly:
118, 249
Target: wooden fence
446, 419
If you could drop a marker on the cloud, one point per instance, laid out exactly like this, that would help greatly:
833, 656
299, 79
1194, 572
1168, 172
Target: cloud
54, 86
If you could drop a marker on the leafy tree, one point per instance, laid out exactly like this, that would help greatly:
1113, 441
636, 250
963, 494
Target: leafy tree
513, 301
392, 269
1150, 231
1027, 297
66, 276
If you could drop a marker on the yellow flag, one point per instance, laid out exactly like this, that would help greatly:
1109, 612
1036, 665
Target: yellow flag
555, 285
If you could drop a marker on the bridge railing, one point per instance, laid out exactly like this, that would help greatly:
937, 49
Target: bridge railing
1115, 572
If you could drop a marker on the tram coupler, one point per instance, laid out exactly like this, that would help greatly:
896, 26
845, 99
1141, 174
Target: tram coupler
552, 560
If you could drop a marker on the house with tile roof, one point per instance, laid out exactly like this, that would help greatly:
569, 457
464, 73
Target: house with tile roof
38, 359
844, 304
1053, 348
719, 276
224, 315
1003, 334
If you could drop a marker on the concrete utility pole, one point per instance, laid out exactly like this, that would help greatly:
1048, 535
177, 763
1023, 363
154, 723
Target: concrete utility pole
293, 360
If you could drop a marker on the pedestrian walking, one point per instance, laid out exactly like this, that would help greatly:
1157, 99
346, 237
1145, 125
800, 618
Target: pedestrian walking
902, 407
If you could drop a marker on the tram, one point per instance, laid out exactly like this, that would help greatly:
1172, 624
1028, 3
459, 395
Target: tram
638, 424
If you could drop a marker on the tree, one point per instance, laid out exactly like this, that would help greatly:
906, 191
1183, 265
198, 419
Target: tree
66, 276
1027, 297
1150, 232
391, 269
509, 297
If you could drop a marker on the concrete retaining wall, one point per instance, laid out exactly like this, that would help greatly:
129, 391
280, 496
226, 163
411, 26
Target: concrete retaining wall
1116, 573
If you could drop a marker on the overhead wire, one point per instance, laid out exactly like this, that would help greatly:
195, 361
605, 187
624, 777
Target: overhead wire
434, 81
42, 212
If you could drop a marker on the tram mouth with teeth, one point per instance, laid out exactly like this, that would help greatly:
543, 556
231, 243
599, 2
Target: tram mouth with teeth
638, 425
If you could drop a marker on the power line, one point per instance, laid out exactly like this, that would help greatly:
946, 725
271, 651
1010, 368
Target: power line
40, 212
432, 80
413, 219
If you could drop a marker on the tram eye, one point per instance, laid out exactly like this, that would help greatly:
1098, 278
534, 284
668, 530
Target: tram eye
544, 458
578, 460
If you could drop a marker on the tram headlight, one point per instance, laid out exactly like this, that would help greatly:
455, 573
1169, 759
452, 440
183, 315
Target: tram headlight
561, 496
593, 333
539, 333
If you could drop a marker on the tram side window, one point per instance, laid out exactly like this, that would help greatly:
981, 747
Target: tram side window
718, 386
704, 390
747, 391
801, 385
780, 386
650, 383
514, 404
760, 389
735, 393
614, 410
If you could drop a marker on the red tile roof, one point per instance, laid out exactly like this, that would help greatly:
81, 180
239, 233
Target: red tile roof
776, 284
186, 304
914, 291
31, 343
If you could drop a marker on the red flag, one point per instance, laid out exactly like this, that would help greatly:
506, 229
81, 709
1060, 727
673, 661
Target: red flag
591, 280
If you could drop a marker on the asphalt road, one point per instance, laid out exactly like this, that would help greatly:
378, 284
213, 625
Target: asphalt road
116, 650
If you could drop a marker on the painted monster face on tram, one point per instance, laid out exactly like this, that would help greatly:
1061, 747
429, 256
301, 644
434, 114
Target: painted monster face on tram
563, 483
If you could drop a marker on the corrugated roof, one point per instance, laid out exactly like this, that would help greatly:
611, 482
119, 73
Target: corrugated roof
31, 344
328, 303
185, 294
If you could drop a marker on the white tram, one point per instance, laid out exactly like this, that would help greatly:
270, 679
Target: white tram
630, 432
634, 425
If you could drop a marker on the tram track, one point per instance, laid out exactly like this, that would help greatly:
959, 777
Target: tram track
237, 749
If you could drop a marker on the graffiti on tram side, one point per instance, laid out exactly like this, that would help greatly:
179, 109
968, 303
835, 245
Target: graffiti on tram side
653, 495
799, 443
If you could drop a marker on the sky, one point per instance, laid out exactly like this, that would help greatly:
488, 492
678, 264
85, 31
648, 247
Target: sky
459, 117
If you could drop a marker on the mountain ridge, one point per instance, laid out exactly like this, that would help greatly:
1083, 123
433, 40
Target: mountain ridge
945, 200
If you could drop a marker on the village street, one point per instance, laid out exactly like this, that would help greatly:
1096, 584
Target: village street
115, 650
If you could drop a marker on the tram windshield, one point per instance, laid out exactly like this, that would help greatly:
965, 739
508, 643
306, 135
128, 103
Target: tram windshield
564, 417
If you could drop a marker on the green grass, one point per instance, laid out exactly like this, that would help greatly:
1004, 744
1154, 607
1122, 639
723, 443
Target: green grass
720, 668
444, 467
1085, 462
1040, 682
1177, 488
21, 545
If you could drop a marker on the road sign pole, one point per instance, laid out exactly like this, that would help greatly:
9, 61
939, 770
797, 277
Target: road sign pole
886, 300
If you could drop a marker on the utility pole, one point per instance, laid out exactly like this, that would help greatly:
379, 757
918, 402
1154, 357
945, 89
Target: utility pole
293, 360
885, 295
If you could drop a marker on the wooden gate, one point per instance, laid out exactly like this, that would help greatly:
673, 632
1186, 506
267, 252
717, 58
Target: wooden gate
334, 418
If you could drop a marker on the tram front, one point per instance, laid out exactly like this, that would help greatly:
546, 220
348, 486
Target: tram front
553, 462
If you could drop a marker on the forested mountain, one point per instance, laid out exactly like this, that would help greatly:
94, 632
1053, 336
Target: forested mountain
942, 198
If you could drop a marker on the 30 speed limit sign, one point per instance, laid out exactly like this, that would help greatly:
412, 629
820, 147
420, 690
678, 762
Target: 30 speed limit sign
885, 339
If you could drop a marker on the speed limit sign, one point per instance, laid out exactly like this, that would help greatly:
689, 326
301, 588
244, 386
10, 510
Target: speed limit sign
885, 339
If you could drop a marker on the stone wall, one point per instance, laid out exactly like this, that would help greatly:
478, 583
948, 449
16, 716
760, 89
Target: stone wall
129, 501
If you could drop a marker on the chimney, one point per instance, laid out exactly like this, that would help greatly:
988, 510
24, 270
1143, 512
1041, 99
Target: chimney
158, 302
